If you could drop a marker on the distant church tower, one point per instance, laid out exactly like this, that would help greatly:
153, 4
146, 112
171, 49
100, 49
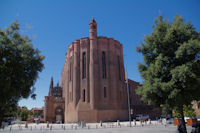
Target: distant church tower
93, 79
51, 87
54, 104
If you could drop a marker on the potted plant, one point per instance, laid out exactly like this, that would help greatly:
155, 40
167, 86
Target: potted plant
189, 112
177, 117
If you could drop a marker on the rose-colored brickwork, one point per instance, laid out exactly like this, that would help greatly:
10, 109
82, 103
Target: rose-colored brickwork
54, 104
93, 79
93, 82
137, 105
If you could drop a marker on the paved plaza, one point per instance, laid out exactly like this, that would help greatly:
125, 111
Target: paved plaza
93, 128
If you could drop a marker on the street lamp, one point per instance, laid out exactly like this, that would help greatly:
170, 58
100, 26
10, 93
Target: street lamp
129, 109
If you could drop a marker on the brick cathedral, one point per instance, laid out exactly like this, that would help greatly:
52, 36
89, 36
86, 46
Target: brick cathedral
93, 86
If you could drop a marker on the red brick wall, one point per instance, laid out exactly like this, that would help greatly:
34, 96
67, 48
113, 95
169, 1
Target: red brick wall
137, 105
50, 106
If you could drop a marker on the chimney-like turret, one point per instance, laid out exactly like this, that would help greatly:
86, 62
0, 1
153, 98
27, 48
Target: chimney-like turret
93, 29
93, 65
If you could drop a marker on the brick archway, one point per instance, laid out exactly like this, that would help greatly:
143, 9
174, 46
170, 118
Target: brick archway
59, 114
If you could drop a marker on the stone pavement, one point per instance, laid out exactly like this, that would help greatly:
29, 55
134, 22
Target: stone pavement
92, 128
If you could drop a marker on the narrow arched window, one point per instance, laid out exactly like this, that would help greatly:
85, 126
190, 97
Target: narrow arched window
105, 93
83, 95
104, 64
84, 65
119, 67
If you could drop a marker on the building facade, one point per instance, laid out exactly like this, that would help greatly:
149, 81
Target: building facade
93, 79
54, 104
93, 86
137, 105
39, 112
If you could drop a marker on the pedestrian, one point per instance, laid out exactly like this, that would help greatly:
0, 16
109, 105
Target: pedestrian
180, 128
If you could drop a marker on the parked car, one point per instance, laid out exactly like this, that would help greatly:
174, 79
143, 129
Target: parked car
142, 117
170, 121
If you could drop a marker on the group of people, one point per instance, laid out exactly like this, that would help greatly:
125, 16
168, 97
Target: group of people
195, 129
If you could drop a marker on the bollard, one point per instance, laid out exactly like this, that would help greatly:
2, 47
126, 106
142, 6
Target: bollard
165, 122
118, 123
82, 124
88, 127
10, 127
31, 128
149, 121
96, 126
64, 127
47, 124
101, 124
141, 123
135, 122
51, 127
26, 125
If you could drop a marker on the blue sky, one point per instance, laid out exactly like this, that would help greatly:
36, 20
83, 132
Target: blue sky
54, 24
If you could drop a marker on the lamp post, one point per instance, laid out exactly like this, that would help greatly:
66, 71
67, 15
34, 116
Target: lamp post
128, 98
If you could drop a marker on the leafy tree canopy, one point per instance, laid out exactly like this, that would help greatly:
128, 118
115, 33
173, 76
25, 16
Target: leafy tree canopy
20, 64
171, 68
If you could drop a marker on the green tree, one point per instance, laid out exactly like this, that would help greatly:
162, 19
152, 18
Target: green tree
35, 114
24, 113
20, 64
187, 110
171, 68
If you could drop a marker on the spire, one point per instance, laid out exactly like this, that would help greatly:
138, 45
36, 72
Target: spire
93, 21
58, 84
93, 29
51, 87
51, 84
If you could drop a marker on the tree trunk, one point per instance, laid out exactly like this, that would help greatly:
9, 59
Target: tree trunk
2, 113
183, 120
1, 119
